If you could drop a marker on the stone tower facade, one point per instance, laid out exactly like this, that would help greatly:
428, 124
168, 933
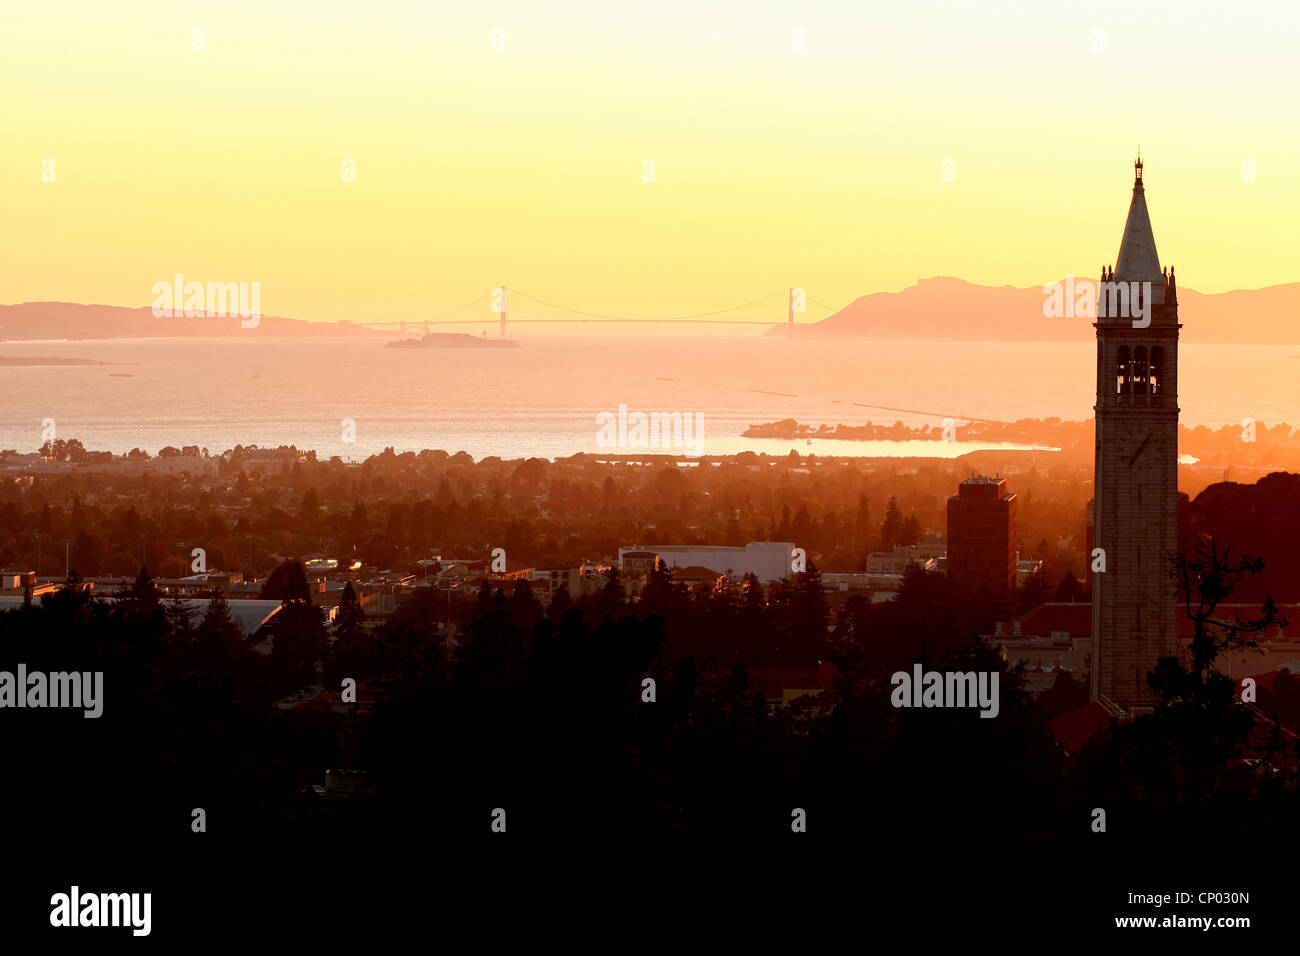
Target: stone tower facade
1135, 506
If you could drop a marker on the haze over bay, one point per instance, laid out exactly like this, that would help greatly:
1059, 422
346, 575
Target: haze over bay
541, 400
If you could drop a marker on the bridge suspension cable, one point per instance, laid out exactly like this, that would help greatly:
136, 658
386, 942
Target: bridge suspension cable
445, 318
666, 318
463, 308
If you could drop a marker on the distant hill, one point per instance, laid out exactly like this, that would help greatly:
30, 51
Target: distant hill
954, 310
942, 309
70, 320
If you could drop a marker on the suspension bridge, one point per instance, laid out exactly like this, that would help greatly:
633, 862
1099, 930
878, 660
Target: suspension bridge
797, 301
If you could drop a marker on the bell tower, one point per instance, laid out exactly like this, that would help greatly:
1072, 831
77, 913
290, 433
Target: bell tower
1134, 602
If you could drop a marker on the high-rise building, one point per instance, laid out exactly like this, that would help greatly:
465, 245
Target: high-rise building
982, 534
1135, 507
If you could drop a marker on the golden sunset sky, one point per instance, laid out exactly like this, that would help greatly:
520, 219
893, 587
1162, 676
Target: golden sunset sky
474, 167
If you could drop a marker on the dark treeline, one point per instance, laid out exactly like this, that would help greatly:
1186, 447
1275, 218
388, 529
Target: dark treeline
540, 711
382, 513
392, 510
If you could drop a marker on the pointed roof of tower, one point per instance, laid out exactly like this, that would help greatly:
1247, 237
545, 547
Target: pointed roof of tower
1137, 260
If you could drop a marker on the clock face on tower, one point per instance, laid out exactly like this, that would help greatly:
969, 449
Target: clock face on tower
1140, 449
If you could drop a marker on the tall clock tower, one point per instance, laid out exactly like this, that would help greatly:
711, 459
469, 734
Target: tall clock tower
1134, 603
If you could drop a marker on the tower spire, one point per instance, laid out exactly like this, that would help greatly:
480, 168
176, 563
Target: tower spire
1137, 260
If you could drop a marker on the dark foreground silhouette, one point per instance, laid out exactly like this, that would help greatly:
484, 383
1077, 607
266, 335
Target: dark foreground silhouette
615, 808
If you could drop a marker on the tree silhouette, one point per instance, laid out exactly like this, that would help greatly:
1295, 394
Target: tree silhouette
1035, 591
1182, 770
910, 531
309, 508
288, 582
560, 602
180, 617
1069, 590
892, 526
862, 527
141, 598
1205, 578
349, 656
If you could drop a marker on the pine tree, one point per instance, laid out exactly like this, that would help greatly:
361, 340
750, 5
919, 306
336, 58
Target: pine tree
862, 526
298, 643
801, 529
217, 625
783, 529
349, 656
351, 618
180, 616
142, 597
561, 601
1069, 590
809, 610
910, 531
309, 510
892, 526
288, 582
358, 524
610, 600
1036, 591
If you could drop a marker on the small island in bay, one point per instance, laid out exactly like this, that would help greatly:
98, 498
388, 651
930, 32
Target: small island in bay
453, 340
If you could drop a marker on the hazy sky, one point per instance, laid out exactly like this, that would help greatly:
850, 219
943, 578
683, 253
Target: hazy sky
822, 169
